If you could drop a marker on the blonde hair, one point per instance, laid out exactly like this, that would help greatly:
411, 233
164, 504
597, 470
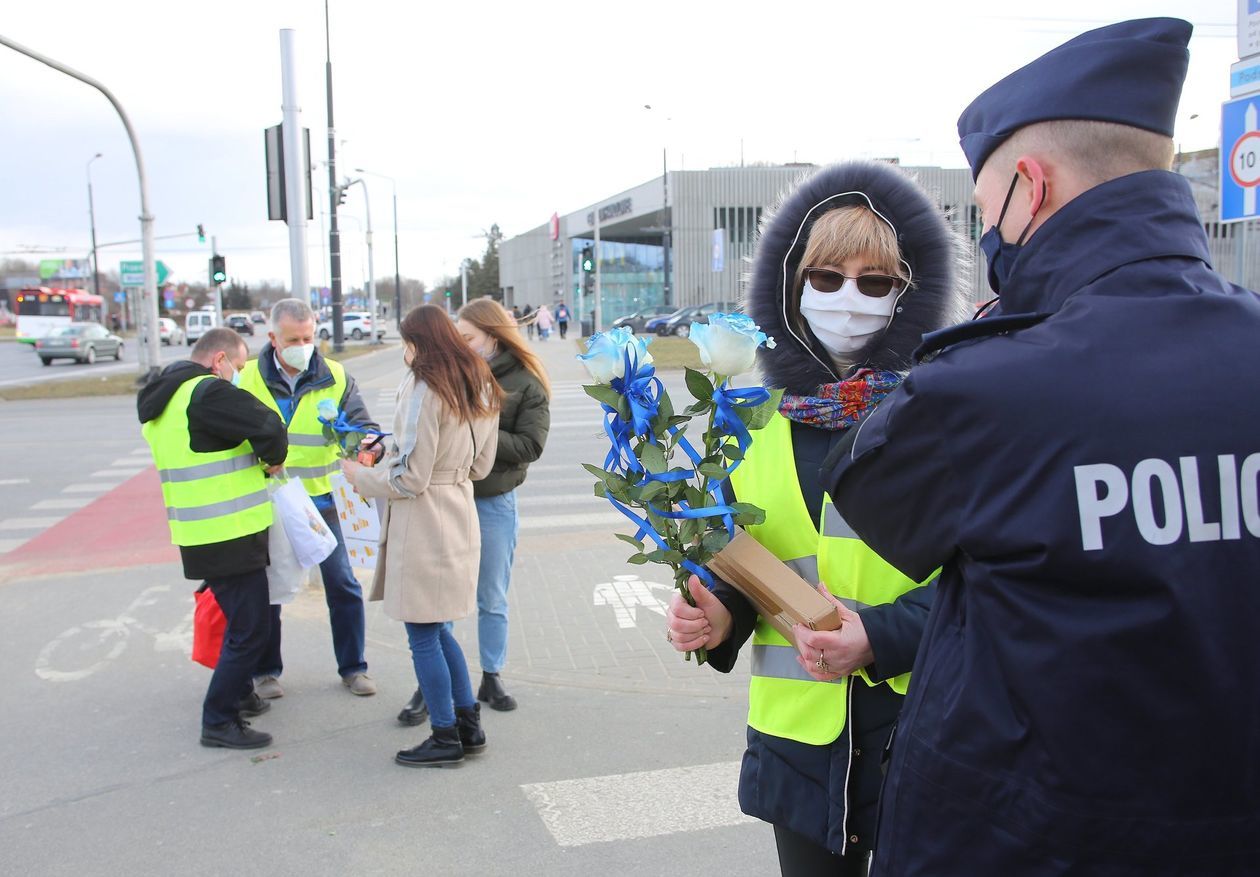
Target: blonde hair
845, 232
492, 318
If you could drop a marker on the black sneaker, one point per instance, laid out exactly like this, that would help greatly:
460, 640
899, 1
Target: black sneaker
234, 735
252, 705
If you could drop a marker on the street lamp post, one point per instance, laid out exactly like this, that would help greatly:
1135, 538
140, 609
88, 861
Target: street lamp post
96, 274
397, 282
367, 202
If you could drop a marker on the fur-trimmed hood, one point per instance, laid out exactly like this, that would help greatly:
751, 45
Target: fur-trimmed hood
799, 363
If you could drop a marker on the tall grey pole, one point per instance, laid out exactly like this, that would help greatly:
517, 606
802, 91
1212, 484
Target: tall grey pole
668, 222
334, 237
598, 311
463, 283
294, 166
397, 276
96, 273
149, 364
216, 289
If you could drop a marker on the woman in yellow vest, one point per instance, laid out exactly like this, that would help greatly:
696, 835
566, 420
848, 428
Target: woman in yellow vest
851, 270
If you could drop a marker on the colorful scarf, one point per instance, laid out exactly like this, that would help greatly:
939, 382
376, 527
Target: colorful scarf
842, 404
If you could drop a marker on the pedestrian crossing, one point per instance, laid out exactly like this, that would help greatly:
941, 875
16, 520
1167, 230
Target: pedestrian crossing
16, 531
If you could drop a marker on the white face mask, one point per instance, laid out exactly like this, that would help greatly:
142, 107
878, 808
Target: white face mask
845, 320
297, 356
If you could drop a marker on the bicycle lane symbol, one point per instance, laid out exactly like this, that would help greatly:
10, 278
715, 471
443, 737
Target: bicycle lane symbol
80, 651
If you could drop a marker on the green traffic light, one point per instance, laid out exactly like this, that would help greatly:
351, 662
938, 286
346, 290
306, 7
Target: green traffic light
219, 277
448, 293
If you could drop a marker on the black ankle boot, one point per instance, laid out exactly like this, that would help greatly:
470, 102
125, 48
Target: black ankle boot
468, 721
440, 749
415, 712
491, 692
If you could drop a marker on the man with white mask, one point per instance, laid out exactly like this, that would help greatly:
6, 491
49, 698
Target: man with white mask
292, 378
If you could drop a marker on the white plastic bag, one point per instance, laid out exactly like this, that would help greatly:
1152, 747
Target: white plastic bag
284, 573
309, 536
360, 522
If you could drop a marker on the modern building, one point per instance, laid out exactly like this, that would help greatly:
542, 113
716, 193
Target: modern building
687, 238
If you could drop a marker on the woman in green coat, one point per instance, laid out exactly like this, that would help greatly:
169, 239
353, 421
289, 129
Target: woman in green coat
524, 421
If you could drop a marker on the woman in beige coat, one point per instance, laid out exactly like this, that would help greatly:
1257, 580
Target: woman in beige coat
445, 437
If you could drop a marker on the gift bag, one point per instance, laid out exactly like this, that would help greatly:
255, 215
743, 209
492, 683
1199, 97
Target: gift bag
360, 522
209, 625
284, 573
309, 536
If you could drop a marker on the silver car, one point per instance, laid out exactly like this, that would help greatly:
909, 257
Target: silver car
83, 342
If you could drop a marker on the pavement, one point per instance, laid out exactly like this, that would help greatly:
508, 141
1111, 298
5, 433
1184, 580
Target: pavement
622, 758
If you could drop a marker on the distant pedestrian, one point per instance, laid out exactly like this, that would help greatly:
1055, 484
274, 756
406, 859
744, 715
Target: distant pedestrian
562, 319
210, 442
115, 323
528, 316
546, 322
445, 437
516, 314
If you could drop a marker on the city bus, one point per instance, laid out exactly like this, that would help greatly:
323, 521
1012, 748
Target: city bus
42, 310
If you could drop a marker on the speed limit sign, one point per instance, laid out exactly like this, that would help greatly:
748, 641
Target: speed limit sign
1240, 158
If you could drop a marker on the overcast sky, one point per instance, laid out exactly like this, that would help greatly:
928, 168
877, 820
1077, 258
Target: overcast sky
493, 111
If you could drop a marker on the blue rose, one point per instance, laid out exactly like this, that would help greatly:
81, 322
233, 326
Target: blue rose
728, 343
605, 357
327, 409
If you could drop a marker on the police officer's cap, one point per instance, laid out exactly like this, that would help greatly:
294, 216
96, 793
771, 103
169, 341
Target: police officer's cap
1129, 73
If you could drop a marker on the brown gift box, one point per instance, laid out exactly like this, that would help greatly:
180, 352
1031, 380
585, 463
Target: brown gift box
781, 596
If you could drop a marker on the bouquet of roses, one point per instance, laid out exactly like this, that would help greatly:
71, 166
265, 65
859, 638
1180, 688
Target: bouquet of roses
667, 482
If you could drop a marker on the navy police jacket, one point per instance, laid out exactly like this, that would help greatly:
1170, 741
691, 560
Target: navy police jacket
1086, 698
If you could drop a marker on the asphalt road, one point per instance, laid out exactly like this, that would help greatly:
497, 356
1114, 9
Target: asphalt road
622, 758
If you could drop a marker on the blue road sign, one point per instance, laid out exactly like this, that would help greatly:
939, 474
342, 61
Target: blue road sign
1240, 158
120, 297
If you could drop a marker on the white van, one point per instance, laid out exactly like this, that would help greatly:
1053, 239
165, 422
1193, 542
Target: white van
196, 324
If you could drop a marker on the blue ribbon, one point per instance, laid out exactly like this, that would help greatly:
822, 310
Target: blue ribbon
343, 428
727, 420
642, 390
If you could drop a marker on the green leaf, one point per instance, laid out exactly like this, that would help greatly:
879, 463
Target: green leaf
748, 514
712, 470
630, 540
699, 385
715, 540
657, 556
689, 530
651, 489
637, 559
601, 489
698, 408
652, 457
764, 412
732, 451
599, 472
677, 420
603, 393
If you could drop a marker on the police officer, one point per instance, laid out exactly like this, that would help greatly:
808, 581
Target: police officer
1084, 466
291, 378
210, 442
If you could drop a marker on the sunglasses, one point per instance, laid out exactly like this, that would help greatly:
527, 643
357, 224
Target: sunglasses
873, 285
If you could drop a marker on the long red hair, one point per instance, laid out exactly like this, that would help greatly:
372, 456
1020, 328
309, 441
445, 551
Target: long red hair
443, 360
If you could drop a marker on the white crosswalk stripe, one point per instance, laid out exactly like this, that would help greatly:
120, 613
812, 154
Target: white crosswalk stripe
37, 523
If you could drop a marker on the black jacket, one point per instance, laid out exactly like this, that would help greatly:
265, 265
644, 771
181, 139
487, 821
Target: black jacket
220, 417
1084, 700
821, 792
524, 422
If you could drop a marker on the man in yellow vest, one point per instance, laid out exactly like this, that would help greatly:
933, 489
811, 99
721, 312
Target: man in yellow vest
291, 378
211, 442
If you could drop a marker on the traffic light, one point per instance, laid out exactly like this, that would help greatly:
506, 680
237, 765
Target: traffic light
341, 194
588, 259
201, 233
218, 270
447, 293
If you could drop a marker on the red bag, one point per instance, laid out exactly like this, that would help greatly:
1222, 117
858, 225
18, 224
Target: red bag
209, 624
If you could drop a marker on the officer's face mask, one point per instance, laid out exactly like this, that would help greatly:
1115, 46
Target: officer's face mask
845, 320
298, 356
1000, 255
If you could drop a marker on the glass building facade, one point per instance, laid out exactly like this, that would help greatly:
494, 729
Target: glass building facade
632, 277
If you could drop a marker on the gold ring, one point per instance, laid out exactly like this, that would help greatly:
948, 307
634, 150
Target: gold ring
820, 663
669, 636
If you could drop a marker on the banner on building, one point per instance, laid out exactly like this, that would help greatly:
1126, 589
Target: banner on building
719, 250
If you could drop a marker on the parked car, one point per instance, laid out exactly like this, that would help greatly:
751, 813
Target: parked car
637, 322
241, 324
82, 342
257, 317
651, 325
196, 324
169, 332
679, 323
354, 324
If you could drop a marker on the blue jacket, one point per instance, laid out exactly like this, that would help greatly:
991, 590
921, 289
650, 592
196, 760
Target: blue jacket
1086, 699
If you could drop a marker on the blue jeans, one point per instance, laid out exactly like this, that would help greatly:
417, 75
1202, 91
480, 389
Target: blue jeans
346, 616
499, 527
441, 671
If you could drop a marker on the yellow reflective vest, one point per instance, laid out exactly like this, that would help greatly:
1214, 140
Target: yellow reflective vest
312, 455
783, 700
211, 497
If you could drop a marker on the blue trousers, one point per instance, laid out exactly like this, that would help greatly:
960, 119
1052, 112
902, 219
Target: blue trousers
441, 671
346, 615
243, 599
499, 527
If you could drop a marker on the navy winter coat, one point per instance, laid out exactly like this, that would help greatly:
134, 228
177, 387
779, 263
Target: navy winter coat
1086, 699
